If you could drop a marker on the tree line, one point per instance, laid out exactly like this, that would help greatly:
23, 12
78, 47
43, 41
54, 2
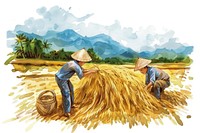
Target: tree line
41, 49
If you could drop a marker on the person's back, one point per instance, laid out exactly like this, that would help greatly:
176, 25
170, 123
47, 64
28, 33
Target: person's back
154, 74
68, 70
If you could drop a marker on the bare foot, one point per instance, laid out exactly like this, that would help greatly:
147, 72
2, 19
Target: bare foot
67, 114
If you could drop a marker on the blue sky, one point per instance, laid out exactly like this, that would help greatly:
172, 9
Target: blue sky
58, 19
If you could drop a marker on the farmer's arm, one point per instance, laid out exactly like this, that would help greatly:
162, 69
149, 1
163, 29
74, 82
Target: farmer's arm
82, 72
85, 70
149, 86
151, 79
78, 70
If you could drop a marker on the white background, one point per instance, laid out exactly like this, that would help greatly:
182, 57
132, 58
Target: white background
181, 16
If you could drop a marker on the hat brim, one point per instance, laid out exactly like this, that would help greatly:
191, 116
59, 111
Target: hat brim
141, 63
81, 55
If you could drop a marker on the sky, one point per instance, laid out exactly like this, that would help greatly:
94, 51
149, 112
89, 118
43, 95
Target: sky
121, 19
59, 19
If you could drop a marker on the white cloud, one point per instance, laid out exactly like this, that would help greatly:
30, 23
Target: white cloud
55, 18
58, 19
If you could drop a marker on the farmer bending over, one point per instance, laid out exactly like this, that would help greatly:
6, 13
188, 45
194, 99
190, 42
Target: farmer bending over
156, 79
66, 72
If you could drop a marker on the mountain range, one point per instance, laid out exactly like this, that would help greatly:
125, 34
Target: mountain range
104, 45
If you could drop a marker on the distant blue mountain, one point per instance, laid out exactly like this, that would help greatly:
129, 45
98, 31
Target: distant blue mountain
170, 54
68, 36
184, 50
31, 36
130, 54
146, 54
68, 39
104, 45
167, 53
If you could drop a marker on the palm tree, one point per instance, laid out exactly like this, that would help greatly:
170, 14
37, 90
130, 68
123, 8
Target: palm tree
46, 46
27, 49
18, 51
61, 54
36, 47
32, 45
20, 40
39, 48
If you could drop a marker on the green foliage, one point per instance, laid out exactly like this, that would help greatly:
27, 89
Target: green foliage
114, 60
9, 59
178, 59
46, 46
162, 60
187, 60
58, 55
36, 48
30, 48
94, 56
21, 39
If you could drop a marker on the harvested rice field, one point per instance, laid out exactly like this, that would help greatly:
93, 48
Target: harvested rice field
114, 94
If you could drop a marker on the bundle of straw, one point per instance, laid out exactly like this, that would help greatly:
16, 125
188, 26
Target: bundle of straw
114, 94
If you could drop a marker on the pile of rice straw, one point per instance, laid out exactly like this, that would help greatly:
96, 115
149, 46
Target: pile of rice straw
117, 95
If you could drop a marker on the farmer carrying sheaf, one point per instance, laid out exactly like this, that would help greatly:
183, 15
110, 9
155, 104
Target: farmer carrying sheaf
66, 72
156, 80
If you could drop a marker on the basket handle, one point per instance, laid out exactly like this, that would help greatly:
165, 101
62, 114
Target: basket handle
52, 92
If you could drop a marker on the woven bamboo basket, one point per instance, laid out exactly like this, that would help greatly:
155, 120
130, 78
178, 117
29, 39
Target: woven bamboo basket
46, 103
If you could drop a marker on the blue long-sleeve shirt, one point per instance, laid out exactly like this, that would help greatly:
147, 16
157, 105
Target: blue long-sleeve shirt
68, 70
154, 74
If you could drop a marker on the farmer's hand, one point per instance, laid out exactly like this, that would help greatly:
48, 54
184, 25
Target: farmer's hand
92, 70
88, 72
148, 88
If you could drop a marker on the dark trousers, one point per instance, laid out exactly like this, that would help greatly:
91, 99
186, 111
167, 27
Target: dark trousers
159, 87
67, 92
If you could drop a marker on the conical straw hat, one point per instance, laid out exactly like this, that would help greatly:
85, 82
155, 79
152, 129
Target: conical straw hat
81, 55
141, 63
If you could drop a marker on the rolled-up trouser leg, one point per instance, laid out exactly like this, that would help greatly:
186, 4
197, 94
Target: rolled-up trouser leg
159, 86
65, 91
